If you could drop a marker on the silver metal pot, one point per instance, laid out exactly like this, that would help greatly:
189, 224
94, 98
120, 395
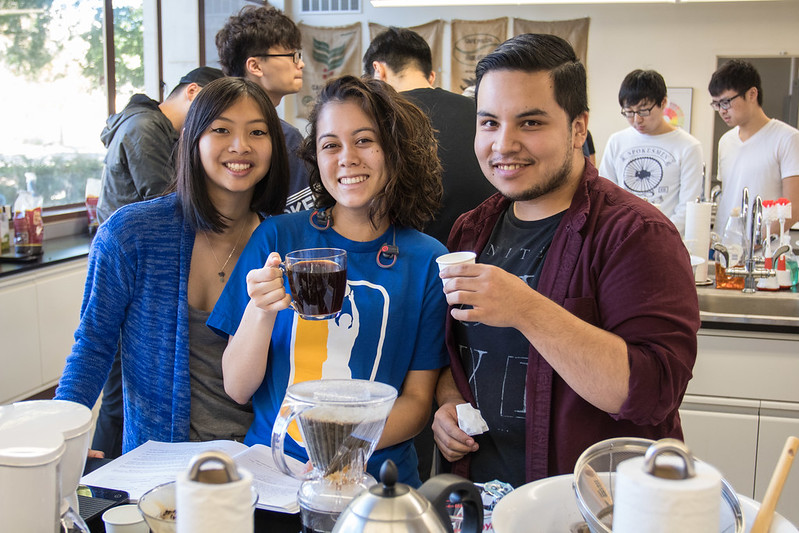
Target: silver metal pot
392, 506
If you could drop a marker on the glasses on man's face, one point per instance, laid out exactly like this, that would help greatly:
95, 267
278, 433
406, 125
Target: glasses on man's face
630, 113
295, 56
724, 103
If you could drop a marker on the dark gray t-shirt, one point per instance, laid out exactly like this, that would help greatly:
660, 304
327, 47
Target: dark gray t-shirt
214, 415
495, 359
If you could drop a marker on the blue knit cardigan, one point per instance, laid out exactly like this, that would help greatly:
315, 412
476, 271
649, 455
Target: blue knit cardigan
136, 298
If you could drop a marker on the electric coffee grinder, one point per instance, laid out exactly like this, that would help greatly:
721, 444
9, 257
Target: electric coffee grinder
70, 420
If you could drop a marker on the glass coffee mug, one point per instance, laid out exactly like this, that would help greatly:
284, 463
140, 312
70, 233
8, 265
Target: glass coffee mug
318, 281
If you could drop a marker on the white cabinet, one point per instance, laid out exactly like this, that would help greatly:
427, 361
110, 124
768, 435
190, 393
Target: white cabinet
741, 406
778, 421
724, 433
39, 312
21, 369
59, 293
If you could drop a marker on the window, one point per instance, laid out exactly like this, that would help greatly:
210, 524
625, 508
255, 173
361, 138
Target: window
54, 105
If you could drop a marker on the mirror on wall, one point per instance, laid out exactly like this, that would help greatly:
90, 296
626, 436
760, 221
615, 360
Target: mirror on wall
780, 82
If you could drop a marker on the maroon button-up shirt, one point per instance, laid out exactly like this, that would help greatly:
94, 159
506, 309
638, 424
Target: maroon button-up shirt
617, 263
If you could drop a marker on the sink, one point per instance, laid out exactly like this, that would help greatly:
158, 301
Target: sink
774, 308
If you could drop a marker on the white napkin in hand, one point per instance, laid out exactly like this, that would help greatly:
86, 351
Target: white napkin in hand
470, 420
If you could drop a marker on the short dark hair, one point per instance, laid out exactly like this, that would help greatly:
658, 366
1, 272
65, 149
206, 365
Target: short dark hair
252, 32
642, 86
737, 75
202, 76
413, 192
536, 52
269, 196
399, 48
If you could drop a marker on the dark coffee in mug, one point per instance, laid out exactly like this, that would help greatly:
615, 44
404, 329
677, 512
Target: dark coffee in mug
317, 287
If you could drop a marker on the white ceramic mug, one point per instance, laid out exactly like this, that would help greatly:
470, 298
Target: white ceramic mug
125, 519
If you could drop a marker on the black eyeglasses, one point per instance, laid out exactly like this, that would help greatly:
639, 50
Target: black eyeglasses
296, 56
724, 103
629, 113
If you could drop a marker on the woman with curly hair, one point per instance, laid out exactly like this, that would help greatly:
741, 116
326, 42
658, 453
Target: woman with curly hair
376, 180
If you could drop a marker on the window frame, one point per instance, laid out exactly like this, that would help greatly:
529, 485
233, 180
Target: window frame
74, 211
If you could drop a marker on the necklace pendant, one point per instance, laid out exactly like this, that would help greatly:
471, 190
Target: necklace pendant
221, 274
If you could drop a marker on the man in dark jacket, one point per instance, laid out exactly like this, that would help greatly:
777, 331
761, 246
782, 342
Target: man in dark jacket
140, 140
578, 322
138, 166
402, 58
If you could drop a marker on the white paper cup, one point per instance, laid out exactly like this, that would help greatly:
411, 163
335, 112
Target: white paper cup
454, 258
125, 519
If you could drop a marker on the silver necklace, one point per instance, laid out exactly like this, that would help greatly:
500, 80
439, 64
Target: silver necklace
221, 272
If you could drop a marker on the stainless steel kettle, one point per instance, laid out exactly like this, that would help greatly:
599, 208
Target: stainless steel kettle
392, 506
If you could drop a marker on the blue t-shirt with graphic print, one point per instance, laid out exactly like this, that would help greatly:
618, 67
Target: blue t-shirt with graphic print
392, 321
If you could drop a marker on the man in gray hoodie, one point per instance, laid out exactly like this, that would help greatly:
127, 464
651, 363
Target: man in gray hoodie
138, 166
140, 140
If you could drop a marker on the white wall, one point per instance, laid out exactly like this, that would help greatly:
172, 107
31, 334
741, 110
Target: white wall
680, 41
181, 37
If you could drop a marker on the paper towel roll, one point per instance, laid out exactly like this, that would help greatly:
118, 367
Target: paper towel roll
644, 502
213, 507
697, 231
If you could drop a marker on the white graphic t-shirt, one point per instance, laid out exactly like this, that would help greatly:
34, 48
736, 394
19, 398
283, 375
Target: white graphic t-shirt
760, 163
662, 169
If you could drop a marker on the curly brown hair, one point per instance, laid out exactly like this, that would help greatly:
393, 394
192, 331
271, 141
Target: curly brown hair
252, 32
413, 192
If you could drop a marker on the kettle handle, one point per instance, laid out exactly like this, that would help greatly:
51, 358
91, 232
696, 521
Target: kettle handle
443, 487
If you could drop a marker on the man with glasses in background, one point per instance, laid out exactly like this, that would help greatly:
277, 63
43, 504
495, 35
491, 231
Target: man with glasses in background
758, 152
653, 159
263, 45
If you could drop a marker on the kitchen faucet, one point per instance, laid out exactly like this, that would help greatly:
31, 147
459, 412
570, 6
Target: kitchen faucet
754, 265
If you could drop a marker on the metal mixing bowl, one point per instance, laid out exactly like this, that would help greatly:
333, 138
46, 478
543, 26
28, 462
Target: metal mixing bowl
600, 462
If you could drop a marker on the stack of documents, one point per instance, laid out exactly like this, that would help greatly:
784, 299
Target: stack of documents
154, 463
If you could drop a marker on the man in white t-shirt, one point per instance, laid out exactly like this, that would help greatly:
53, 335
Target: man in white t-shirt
653, 159
759, 153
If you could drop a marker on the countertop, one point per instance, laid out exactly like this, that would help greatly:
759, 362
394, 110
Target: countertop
55, 251
719, 308
771, 311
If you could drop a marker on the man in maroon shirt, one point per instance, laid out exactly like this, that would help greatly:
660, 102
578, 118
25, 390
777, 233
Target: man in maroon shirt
578, 323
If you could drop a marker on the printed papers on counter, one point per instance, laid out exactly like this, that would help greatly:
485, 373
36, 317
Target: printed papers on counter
154, 463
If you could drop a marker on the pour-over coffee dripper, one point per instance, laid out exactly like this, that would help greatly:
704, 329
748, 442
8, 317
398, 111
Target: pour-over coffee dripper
338, 422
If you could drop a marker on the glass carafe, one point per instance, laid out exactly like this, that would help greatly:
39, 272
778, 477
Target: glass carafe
338, 422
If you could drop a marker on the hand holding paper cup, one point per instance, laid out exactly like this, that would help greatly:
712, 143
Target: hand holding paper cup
455, 258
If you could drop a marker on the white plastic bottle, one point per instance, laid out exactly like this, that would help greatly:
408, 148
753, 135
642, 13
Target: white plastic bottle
734, 240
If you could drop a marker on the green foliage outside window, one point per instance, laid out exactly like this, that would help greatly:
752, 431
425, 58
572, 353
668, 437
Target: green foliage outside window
60, 178
128, 47
44, 43
24, 26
